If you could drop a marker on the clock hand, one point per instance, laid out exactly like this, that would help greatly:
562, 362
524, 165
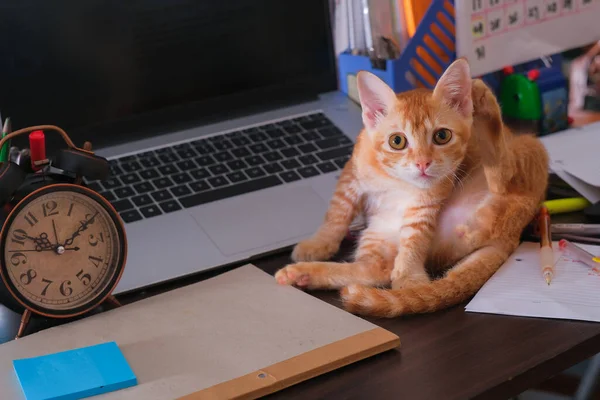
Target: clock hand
39, 249
83, 227
55, 234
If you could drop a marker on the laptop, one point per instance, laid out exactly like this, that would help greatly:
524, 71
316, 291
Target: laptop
222, 120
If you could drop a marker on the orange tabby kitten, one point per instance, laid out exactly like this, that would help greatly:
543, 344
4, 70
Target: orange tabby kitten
445, 189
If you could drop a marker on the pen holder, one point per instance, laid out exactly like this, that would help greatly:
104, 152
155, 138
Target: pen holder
421, 63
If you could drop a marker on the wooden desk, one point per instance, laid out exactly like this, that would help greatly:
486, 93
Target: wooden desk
445, 355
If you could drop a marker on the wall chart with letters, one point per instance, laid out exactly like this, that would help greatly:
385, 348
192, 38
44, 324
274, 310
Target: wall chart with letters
493, 34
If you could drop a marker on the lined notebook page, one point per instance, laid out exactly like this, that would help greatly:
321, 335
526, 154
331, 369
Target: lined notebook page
518, 287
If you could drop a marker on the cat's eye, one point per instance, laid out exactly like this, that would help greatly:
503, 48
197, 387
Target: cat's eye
442, 136
397, 141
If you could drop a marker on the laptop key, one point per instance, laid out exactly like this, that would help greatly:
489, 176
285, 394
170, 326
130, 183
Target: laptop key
150, 162
142, 200
186, 153
170, 206
130, 178
331, 142
186, 165
130, 216
255, 172
292, 129
290, 152
230, 191
330, 131
327, 167
200, 173
123, 192
307, 148
223, 156
95, 186
199, 186
162, 183
203, 147
168, 158
335, 153
254, 160
179, 191
122, 205
204, 161
290, 164
308, 159
285, 122
290, 176
149, 173
180, 178
272, 156
127, 158
111, 183
241, 152
143, 187
237, 176
218, 169
236, 165
115, 170
308, 172
258, 148
168, 169
293, 140
275, 133
161, 195
164, 150
273, 168
310, 136
150, 211
218, 181
258, 137
241, 141
250, 130
108, 195
222, 145
276, 144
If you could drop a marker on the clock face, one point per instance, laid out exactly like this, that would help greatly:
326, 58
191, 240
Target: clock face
62, 250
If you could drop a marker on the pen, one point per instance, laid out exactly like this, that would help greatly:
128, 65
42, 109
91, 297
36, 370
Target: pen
577, 229
579, 253
546, 254
5, 149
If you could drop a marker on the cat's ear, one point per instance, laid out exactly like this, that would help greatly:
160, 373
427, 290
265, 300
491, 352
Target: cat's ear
376, 98
454, 87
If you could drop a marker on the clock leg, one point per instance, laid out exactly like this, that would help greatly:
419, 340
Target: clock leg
113, 300
24, 321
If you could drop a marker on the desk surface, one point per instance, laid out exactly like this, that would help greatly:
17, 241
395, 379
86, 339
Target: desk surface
450, 354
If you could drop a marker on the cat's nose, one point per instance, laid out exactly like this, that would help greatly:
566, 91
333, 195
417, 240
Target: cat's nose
423, 165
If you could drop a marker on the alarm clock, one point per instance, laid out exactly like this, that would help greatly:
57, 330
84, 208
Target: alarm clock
63, 246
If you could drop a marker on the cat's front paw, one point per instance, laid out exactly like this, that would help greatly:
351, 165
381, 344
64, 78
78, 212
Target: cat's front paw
314, 250
485, 105
292, 275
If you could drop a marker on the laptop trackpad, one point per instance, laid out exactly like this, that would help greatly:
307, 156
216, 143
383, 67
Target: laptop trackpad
241, 224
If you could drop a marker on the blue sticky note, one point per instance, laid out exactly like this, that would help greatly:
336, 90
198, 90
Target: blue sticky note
73, 374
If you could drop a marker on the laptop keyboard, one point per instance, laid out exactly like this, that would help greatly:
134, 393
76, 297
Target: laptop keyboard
189, 174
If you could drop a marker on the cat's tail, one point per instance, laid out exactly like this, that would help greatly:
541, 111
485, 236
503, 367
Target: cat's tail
459, 283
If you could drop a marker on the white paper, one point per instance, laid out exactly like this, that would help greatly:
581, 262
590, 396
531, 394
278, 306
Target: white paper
493, 34
574, 158
518, 287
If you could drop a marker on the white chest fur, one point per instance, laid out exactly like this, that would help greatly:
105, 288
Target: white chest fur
385, 210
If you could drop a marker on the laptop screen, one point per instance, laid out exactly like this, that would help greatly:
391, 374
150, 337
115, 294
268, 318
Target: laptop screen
110, 71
